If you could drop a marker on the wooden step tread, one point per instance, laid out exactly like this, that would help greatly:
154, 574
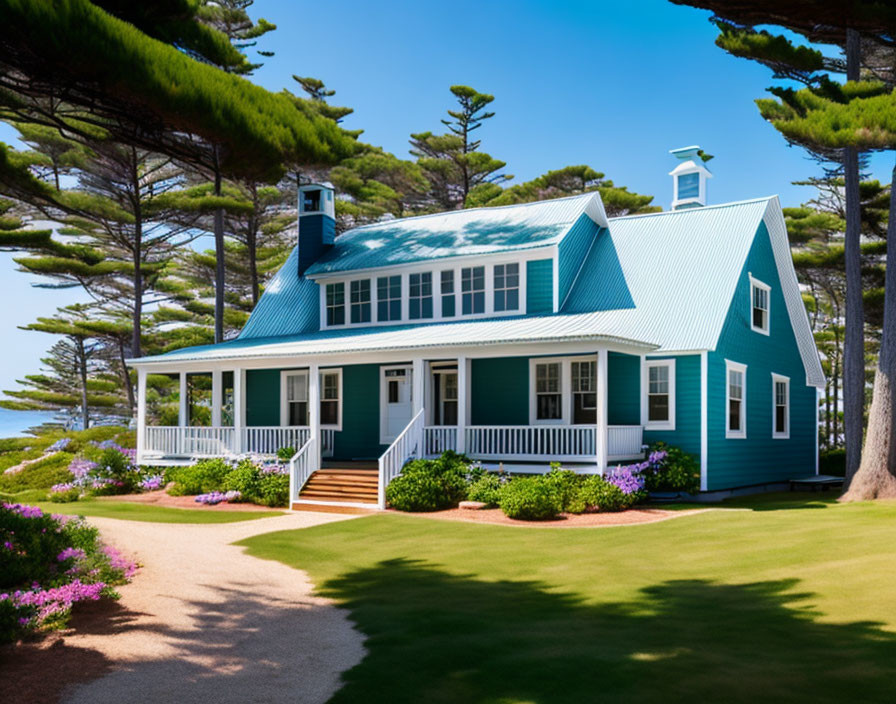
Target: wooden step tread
300, 506
354, 473
318, 481
338, 490
347, 498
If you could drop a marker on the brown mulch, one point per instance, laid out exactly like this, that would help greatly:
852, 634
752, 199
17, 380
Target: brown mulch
160, 498
565, 520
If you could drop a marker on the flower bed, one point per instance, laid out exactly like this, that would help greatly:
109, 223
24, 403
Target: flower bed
48, 563
250, 479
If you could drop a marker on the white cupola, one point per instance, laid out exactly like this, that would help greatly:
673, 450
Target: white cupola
689, 178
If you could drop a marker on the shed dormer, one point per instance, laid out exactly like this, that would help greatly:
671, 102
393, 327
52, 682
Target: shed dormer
689, 178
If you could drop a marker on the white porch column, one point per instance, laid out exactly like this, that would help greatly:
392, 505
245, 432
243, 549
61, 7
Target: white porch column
141, 413
602, 410
217, 397
239, 409
183, 414
418, 378
314, 414
462, 396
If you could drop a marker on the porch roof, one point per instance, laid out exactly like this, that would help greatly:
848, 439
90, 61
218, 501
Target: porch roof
604, 326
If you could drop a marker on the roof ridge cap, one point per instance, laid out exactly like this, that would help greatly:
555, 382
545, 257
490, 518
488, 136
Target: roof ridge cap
762, 199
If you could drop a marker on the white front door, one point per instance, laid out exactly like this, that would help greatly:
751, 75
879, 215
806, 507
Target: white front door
396, 402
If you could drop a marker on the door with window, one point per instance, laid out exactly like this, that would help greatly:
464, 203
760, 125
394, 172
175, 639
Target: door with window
396, 402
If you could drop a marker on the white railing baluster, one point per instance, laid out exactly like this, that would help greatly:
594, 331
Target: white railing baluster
409, 443
301, 467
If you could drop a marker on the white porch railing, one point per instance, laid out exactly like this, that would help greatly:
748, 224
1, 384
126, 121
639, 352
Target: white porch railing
438, 439
301, 467
408, 444
267, 440
531, 442
624, 441
327, 442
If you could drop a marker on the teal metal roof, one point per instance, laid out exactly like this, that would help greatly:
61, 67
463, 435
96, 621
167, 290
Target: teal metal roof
457, 233
288, 306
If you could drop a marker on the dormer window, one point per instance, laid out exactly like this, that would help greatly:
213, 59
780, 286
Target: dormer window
388, 298
420, 303
688, 186
311, 201
472, 286
360, 301
507, 287
335, 304
759, 306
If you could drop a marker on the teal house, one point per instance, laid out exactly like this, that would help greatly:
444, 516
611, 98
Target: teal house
518, 335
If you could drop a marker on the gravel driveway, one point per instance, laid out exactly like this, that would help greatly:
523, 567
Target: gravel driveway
204, 622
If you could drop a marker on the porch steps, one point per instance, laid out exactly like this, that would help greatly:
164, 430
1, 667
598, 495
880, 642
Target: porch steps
356, 486
331, 508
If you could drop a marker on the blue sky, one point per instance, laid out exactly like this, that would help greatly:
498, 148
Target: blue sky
611, 84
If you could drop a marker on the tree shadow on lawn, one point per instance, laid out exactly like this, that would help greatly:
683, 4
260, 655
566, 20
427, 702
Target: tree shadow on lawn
438, 637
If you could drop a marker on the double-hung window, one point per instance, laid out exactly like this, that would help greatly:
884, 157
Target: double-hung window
448, 302
359, 301
780, 407
472, 286
736, 400
336, 304
420, 289
296, 402
388, 298
584, 392
659, 402
330, 396
507, 287
759, 305
548, 392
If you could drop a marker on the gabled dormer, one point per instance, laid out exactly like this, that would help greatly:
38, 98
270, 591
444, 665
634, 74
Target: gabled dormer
689, 178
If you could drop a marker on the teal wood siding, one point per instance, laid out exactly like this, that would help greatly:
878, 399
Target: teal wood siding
759, 458
572, 250
499, 391
540, 286
687, 406
262, 397
623, 389
360, 435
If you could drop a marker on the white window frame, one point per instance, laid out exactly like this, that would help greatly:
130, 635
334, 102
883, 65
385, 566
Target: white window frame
435, 267
340, 399
566, 396
345, 305
742, 368
506, 288
645, 389
757, 284
371, 284
780, 379
432, 295
284, 405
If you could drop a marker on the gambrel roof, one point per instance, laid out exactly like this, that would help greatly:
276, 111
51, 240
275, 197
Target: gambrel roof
661, 282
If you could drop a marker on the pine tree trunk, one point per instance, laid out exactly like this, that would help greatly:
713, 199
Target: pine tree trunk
876, 477
854, 338
82, 370
252, 248
137, 322
125, 377
219, 257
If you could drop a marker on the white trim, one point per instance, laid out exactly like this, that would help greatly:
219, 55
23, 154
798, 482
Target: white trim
754, 284
555, 275
463, 401
385, 439
704, 420
141, 414
645, 388
817, 427
566, 394
742, 368
341, 398
603, 433
284, 402
776, 379
793, 298
284, 406
239, 407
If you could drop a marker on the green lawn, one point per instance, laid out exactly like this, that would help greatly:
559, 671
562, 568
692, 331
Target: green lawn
794, 600
151, 514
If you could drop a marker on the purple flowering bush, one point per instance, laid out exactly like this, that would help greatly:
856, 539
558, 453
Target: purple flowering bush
252, 479
47, 564
104, 468
671, 469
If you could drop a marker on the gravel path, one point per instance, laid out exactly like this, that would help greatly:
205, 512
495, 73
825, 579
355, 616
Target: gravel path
204, 622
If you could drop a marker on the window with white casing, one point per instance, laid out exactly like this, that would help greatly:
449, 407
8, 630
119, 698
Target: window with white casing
780, 407
472, 286
688, 186
448, 298
658, 404
548, 392
336, 304
759, 306
295, 410
359, 301
584, 392
507, 287
420, 292
736, 400
331, 398
388, 298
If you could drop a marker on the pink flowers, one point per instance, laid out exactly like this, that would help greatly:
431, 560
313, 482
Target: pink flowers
24, 511
71, 554
119, 562
152, 483
44, 603
216, 497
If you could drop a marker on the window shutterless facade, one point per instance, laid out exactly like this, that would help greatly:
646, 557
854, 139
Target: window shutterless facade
584, 392
780, 407
507, 287
297, 398
448, 298
330, 398
548, 392
658, 402
359, 301
759, 306
472, 286
388, 298
336, 304
736, 400
420, 298
294, 408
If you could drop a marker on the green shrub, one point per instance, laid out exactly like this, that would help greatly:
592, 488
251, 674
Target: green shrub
430, 485
113, 465
485, 489
201, 478
832, 462
39, 475
679, 471
530, 499
597, 494
65, 497
285, 454
566, 484
244, 478
273, 490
